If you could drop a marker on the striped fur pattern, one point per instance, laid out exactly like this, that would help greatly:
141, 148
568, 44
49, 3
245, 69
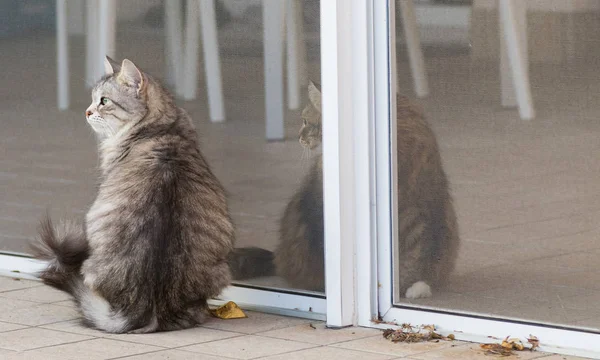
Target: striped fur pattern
155, 241
428, 238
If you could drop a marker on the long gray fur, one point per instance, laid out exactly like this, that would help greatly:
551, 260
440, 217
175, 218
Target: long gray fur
155, 242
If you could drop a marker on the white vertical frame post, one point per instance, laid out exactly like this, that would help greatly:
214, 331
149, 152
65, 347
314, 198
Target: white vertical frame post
212, 63
413, 45
273, 21
514, 59
385, 169
62, 55
364, 56
347, 98
336, 64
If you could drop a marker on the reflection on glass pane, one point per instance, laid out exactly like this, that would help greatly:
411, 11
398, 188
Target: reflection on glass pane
49, 158
525, 192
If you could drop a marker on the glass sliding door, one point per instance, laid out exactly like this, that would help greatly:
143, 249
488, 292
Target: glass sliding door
521, 173
263, 143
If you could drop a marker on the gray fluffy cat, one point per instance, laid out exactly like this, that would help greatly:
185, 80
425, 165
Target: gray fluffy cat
428, 238
156, 239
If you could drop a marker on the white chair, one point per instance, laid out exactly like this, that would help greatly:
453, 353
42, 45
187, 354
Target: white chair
182, 71
101, 40
279, 17
514, 64
101, 27
413, 45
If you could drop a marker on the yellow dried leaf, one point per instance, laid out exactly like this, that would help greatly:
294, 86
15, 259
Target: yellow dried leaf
228, 311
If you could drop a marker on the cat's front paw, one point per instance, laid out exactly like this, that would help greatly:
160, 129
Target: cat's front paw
418, 290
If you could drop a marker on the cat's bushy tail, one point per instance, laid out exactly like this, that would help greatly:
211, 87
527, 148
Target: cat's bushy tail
251, 262
65, 247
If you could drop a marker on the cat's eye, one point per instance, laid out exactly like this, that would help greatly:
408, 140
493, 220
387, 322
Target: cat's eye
304, 122
104, 100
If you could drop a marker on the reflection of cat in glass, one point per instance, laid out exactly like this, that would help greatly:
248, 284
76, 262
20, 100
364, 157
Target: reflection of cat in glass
428, 238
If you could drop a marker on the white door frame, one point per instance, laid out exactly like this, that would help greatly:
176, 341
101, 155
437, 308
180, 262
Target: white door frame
464, 326
346, 77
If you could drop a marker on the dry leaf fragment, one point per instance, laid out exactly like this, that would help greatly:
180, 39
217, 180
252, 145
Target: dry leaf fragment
496, 349
410, 334
509, 345
533, 340
228, 311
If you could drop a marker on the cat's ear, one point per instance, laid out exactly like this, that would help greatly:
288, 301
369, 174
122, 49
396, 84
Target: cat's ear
314, 95
111, 66
131, 75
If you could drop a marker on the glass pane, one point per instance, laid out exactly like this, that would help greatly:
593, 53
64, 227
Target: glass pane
525, 192
49, 157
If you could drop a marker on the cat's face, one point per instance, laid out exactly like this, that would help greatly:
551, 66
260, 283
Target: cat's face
310, 132
117, 99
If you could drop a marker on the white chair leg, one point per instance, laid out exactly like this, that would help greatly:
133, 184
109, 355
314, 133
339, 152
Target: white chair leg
173, 46
212, 64
92, 7
106, 35
514, 30
413, 44
296, 53
62, 55
190, 60
302, 55
509, 97
393, 50
273, 13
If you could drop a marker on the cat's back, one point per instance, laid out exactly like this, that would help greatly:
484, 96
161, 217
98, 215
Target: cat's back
413, 131
161, 216
421, 176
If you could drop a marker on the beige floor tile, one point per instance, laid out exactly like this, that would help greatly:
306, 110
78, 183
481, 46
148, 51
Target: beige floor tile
550, 313
247, 347
590, 324
39, 314
8, 284
470, 352
583, 279
10, 327
329, 353
583, 302
536, 293
32, 338
383, 346
75, 327
39, 294
67, 303
318, 334
255, 323
563, 357
91, 349
173, 355
172, 339
12, 304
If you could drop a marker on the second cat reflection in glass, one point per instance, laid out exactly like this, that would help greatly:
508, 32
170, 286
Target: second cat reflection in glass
427, 242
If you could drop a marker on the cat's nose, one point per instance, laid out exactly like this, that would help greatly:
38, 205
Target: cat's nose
88, 113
